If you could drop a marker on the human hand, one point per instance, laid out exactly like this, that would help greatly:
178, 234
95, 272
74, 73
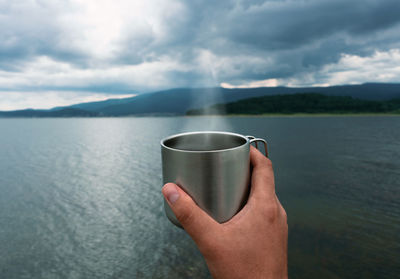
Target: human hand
253, 244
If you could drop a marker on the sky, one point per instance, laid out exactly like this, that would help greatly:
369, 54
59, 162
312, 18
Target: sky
59, 52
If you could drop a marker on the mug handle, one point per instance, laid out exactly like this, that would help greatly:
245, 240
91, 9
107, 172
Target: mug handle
256, 140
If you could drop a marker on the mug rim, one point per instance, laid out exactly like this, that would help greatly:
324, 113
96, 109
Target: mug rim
204, 132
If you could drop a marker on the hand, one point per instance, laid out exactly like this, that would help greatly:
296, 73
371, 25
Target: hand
253, 244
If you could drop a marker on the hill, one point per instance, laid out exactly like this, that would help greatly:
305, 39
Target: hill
179, 101
301, 103
97, 106
65, 112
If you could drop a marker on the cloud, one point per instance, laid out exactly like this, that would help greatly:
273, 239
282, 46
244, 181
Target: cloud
46, 73
14, 100
290, 24
106, 47
350, 69
253, 84
353, 69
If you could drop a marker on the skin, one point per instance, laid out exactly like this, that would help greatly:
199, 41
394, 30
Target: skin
253, 244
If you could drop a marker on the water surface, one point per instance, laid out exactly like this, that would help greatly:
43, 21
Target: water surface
81, 198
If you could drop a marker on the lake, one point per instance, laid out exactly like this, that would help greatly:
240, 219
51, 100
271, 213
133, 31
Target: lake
81, 197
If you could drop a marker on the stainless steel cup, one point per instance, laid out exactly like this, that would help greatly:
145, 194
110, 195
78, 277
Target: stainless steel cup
212, 167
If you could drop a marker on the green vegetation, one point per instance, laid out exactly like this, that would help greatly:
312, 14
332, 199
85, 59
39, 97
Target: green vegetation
310, 103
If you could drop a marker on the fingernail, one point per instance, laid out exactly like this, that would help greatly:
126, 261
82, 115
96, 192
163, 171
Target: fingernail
171, 193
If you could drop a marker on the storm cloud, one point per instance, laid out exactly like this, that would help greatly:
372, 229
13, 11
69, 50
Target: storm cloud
99, 48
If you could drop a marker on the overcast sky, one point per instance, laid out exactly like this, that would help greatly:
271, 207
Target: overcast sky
62, 52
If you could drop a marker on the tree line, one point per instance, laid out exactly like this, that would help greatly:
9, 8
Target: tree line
301, 103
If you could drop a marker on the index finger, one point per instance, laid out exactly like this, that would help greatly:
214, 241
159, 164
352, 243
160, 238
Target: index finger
262, 178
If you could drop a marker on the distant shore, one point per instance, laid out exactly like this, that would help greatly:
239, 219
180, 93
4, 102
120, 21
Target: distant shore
299, 115
288, 115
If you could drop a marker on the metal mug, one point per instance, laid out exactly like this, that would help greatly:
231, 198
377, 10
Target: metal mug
212, 167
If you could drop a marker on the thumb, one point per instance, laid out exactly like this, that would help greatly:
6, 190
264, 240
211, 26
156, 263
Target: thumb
196, 222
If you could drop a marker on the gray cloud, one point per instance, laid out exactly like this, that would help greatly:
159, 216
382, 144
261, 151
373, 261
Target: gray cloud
29, 29
131, 46
291, 24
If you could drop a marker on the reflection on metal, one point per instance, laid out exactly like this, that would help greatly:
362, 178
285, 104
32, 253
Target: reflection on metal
212, 167
256, 140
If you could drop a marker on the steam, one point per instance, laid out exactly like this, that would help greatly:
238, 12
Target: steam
209, 65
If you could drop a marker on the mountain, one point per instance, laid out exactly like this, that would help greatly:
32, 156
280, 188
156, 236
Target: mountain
301, 103
97, 106
65, 112
179, 101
